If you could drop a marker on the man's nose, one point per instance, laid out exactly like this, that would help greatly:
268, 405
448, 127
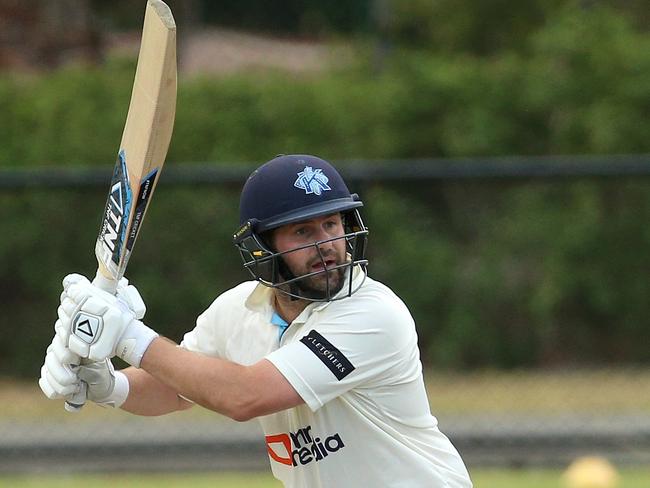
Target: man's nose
323, 239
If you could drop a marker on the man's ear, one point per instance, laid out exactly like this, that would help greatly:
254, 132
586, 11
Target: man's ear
268, 239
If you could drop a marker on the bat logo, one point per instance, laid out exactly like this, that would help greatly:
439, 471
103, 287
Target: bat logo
141, 203
114, 214
118, 208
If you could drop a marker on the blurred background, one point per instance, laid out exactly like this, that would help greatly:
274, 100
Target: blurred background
502, 151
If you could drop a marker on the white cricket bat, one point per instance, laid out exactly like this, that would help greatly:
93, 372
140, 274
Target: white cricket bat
145, 140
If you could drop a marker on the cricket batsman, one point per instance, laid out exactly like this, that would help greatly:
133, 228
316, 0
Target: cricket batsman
323, 355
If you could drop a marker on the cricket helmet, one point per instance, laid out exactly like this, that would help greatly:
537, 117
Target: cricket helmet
290, 189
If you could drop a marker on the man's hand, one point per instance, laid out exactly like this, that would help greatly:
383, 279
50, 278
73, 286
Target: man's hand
106, 387
58, 373
126, 292
61, 377
97, 325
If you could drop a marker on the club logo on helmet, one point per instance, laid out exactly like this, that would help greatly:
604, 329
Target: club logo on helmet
312, 181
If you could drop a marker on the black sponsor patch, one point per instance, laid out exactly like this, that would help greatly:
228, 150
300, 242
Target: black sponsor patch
326, 352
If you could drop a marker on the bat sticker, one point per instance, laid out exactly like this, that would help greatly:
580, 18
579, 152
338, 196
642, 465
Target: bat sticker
116, 216
146, 189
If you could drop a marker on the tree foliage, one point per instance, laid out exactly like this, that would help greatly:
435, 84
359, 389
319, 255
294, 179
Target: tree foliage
496, 274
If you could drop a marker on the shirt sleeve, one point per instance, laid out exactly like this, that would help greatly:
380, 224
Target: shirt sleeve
371, 345
205, 337
211, 332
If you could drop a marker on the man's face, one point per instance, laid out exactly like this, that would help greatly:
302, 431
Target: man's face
308, 260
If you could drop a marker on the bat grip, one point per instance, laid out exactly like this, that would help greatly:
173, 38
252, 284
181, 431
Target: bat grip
105, 283
78, 400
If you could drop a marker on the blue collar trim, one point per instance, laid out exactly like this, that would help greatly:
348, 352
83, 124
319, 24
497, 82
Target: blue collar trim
280, 322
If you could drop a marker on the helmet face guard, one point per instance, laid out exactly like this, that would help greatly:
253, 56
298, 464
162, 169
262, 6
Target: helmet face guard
268, 266
297, 188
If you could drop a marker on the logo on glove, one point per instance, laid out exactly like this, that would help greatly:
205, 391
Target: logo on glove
87, 327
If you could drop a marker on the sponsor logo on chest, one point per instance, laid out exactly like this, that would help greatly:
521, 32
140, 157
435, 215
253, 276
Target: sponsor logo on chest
302, 447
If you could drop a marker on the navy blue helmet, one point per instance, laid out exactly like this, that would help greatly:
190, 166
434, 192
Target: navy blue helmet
290, 189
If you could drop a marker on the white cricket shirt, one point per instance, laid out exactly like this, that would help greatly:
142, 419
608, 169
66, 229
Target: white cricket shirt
355, 363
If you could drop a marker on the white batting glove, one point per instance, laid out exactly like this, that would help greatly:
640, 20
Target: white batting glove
58, 376
126, 292
61, 377
106, 387
97, 325
130, 295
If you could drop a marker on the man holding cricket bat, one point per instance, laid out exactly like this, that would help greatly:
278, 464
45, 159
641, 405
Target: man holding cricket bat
322, 354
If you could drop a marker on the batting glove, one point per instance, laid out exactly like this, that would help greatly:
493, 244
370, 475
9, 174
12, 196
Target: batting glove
106, 387
126, 292
58, 376
61, 377
97, 325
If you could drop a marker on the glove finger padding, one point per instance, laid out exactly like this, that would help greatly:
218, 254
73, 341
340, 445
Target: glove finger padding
62, 374
46, 387
53, 388
79, 292
130, 295
62, 353
65, 312
70, 280
76, 290
73, 279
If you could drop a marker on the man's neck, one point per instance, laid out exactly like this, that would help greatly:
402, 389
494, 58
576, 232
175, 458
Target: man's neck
287, 307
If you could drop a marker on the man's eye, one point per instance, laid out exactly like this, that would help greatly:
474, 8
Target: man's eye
331, 224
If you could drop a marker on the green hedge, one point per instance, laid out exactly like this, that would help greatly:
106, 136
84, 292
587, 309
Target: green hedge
581, 88
496, 274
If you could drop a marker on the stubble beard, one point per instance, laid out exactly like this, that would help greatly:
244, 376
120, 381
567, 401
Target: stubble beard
316, 287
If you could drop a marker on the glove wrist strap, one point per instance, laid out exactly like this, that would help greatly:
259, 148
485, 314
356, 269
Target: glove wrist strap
119, 394
134, 342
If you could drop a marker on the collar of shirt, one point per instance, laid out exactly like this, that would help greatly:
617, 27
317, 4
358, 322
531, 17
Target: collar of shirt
280, 323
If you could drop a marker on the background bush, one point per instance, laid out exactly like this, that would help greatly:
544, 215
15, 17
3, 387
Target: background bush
497, 274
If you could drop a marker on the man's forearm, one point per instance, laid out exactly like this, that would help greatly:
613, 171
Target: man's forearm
213, 383
149, 396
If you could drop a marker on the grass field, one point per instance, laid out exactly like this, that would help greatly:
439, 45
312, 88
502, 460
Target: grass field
482, 479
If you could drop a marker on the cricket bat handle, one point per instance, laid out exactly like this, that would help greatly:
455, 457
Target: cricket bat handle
79, 399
